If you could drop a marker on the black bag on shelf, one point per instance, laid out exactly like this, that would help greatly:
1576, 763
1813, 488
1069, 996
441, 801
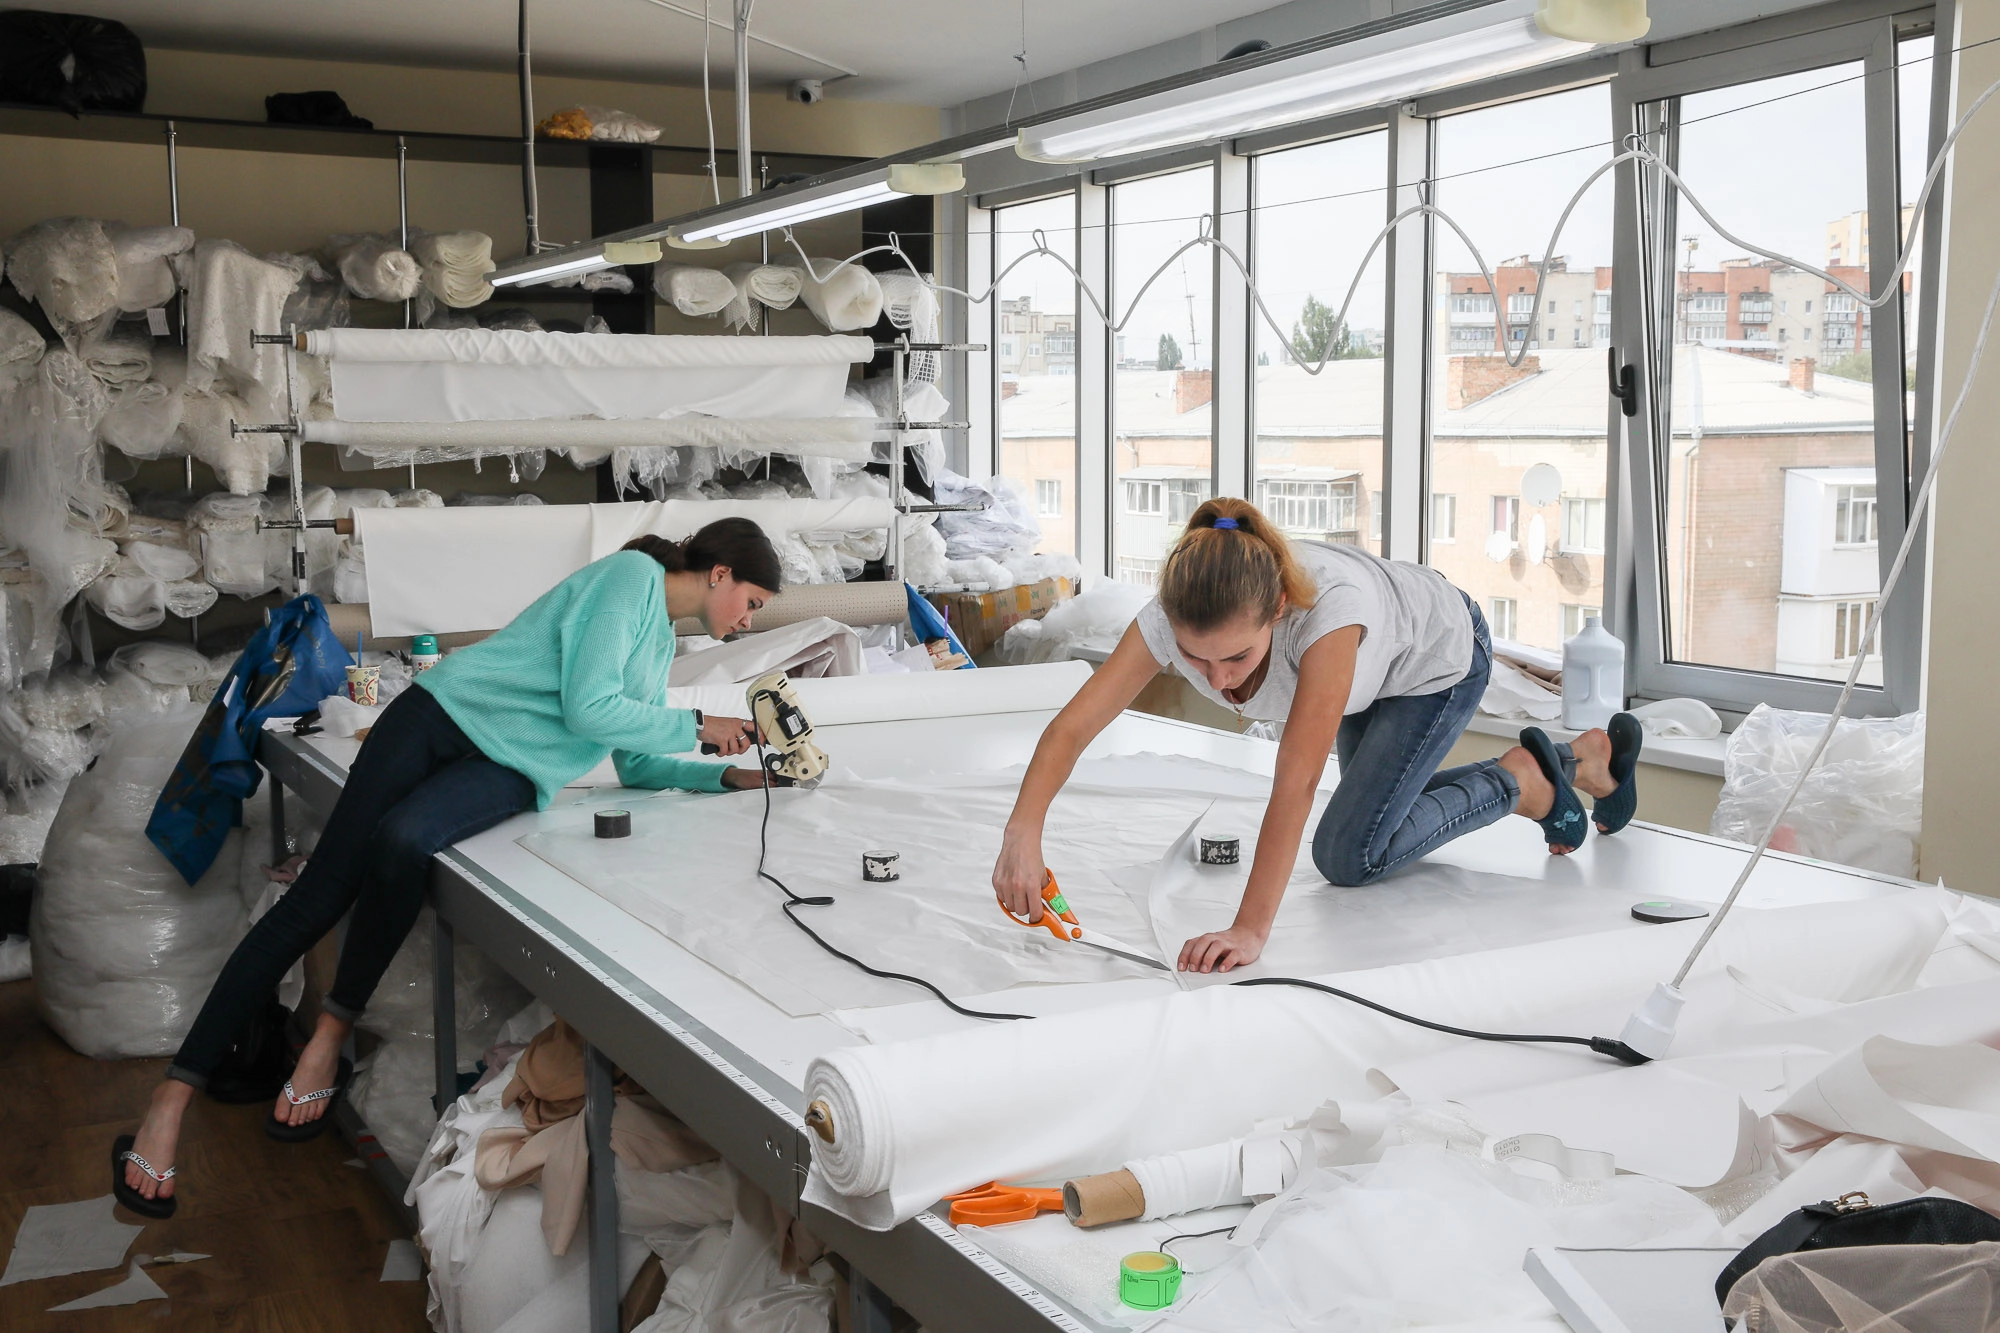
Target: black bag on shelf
1852, 1220
318, 108
71, 61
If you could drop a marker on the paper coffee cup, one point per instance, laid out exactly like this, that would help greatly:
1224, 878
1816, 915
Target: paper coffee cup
362, 682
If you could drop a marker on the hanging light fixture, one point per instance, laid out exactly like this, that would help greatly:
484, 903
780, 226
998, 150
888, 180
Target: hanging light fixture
574, 259
816, 199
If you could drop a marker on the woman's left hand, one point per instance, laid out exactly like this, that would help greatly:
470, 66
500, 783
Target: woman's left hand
1221, 950
743, 779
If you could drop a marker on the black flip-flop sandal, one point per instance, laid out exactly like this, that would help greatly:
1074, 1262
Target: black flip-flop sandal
121, 1153
311, 1129
1565, 826
1615, 811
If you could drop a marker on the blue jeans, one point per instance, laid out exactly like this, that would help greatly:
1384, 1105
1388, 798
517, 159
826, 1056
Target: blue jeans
418, 786
1393, 803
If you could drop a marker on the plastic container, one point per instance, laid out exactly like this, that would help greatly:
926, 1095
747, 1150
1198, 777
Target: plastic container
1593, 677
424, 653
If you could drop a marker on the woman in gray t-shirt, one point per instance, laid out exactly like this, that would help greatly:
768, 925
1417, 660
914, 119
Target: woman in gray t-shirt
1384, 661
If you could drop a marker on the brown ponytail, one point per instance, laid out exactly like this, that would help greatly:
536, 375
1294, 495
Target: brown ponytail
736, 542
1215, 575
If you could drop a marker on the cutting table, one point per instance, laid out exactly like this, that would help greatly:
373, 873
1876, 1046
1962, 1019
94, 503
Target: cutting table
730, 1064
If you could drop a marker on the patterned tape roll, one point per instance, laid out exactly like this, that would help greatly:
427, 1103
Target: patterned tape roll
1149, 1280
1221, 851
880, 867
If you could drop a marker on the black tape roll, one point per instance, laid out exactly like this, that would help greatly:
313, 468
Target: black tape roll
614, 823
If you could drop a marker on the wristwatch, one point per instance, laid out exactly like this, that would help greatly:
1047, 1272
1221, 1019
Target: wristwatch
699, 721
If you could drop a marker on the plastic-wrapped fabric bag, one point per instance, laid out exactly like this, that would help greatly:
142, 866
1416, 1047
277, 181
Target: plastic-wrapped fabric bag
1007, 527
1862, 806
374, 268
484, 996
232, 550
68, 267
21, 350
1882, 1288
145, 274
1095, 618
124, 949
144, 421
127, 595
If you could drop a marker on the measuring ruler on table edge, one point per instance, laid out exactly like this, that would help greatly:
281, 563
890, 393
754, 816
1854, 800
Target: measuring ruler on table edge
1015, 1284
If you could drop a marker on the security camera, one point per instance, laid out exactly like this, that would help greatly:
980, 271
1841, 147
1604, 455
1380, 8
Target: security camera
806, 91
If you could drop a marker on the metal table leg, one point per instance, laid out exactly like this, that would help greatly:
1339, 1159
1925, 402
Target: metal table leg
868, 1306
444, 1016
603, 1192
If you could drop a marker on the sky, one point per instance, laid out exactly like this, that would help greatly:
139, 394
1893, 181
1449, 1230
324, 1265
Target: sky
1774, 160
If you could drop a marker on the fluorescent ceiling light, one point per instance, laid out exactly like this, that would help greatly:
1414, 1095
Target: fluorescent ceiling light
1371, 70
561, 263
788, 207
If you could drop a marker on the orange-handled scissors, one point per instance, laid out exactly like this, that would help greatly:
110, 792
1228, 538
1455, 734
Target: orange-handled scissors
992, 1204
1061, 922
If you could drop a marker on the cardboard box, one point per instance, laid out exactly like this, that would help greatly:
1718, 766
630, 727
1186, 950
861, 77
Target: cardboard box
980, 618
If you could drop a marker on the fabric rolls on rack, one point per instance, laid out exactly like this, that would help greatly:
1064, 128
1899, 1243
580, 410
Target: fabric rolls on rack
373, 268
455, 265
413, 375
915, 1120
844, 296
773, 286
145, 274
590, 441
692, 289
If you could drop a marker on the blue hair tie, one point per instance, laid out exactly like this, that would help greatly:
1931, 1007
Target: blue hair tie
1226, 524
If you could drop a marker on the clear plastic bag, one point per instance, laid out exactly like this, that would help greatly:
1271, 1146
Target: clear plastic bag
69, 267
1862, 806
1881, 1288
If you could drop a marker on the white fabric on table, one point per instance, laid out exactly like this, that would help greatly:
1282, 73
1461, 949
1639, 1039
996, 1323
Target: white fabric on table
845, 296
692, 289
919, 1119
807, 649
592, 440
410, 375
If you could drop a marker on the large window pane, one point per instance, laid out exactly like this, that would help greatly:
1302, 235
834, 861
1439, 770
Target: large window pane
1319, 436
1162, 433
1034, 342
1518, 453
1769, 521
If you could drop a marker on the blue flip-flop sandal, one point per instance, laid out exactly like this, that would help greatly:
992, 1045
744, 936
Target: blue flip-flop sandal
1565, 826
1615, 811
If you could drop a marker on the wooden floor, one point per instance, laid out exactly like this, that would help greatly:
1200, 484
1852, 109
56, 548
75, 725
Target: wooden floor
297, 1236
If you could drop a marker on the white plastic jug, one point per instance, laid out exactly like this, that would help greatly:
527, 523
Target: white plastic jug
1593, 677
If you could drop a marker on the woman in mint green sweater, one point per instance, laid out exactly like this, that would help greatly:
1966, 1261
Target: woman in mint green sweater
495, 729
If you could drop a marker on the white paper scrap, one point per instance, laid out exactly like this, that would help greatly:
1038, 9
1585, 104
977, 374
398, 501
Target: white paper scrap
135, 1288
403, 1264
60, 1238
178, 1257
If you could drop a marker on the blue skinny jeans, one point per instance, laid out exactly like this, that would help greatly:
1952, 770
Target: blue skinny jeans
1393, 803
418, 786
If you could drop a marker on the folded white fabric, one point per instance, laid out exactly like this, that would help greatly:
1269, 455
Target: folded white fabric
916, 1120
145, 275
772, 286
129, 596
244, 463
69, 267
692, 289
21, 349
609, 125
844, 296
118, 353
374, 268
232, 294
455, 265
144, 421
806, 650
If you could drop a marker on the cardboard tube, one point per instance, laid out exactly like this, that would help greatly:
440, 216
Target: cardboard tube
1093, 1201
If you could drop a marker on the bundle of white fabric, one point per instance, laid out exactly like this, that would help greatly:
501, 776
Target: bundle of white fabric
691, 289
118, 353
231, 295
373, 268
144, 419
844, 296
145, 269
21, 350
69, 267
455, 265
772, 286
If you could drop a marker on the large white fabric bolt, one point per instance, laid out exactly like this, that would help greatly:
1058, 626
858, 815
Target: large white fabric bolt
916, 1120
845, 296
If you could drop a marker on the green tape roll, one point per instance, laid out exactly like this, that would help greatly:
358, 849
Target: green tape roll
1149, 1280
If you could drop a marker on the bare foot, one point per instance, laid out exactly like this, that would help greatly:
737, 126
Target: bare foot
1593, 764
319, 1065
159, 1134
1538, 794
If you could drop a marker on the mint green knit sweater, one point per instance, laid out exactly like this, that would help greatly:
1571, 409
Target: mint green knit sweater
580, 674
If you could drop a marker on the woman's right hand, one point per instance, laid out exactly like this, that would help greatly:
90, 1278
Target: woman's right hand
1018, 875
729, 735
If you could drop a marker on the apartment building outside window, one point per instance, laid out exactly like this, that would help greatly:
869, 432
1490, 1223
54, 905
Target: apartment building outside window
1048, 497
1501, 617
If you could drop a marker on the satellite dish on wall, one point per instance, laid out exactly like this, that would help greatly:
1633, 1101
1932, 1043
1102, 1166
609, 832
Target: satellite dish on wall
1541, 485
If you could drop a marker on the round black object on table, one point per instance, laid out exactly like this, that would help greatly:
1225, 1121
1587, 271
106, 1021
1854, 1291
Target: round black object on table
614, 823
1660, 912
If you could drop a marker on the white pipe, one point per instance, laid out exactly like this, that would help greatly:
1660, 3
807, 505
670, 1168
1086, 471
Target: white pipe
530, 203
743, 8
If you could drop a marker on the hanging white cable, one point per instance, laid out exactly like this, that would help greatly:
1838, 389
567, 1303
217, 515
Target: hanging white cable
708, 105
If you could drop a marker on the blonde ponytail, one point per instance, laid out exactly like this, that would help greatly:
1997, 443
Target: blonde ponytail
1231, 562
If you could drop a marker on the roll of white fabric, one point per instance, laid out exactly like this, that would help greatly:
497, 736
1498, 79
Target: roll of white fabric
845, 438
772, 286
612, 525
145, 277
902, 698
118, 354
623, 351
692, 289
373, 268
916, 1120
455, 265
129, 596
844, 296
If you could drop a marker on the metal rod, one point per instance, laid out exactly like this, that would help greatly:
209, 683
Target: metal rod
894, 564
444, 1014
529, 201
403, 208
743, 8
599, 1100
295, 454
174, 216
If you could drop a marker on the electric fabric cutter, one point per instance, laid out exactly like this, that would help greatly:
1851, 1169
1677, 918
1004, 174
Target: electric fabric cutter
793, 760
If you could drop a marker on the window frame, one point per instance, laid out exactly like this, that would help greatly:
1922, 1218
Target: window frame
1645, 100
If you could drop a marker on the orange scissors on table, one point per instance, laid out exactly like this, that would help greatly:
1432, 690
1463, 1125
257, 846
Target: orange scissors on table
992, 1204
1061, 922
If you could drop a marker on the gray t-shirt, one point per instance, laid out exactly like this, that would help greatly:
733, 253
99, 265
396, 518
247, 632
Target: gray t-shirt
1416, 631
